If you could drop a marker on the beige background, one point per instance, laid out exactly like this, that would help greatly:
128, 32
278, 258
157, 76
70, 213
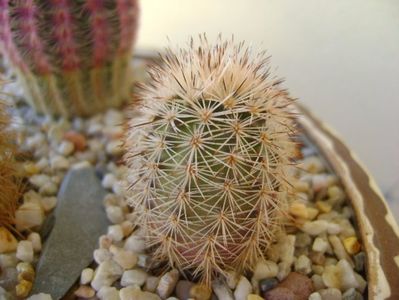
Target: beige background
339, 57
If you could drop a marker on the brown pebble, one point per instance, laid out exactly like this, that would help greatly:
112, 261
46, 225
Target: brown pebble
85, 291
200, 292
299, 284
317, 258
77, 139
280, 293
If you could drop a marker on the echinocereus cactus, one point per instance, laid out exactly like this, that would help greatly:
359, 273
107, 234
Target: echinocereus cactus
9, 189
208, 158
72, 57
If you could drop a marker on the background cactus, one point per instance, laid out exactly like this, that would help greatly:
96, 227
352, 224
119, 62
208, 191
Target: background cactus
9, 187
72, 57
209, 156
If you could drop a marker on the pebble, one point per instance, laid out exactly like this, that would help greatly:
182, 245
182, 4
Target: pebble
151, 284
115, 214
115, 232
221, 290
288, 249
86, 276
39, 180
167, 283
347, 275
243, 289
267, 284
78, 140
108, 293
318, 283
25, 251
352, 294
8, 243
101, 255
23, 288
232, 279
302, 240
59, 162
36, 241
106, 274
28, 215
66, 148
298, 209
8, 260
339, 249
125, 258
183, 288
313, 164
320, 245
108, 180
254, 297
315, 228
114, 148
303, 265
48, 203
280, 293
200, 292
25, 271
331, 276
315, 296
127, 228
299, 284
351, 245
265, 269
135, 243
131, 277
330, 294
359, 259
48, 189
134, 293
85, 292
40, 296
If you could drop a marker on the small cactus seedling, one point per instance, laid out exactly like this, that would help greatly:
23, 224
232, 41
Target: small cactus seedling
9, 189
72, 57
209, 156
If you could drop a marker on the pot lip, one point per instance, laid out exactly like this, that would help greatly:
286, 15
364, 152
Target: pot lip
378, 228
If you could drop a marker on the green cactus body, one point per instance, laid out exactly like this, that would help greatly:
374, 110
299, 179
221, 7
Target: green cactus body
72, 57
209, 156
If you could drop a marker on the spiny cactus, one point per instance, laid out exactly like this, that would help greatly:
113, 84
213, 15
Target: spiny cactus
208, 157
9, 189
72, 57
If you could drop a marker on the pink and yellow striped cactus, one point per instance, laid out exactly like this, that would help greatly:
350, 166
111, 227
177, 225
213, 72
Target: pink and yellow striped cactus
72, 57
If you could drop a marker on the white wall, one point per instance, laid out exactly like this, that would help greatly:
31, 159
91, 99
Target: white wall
339, 57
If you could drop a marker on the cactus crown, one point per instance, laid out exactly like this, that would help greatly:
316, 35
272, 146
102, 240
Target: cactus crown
9, 189
208, 157
72, 57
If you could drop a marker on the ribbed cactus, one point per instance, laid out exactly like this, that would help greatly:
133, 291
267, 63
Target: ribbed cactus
72, 57
9, 189
208, 157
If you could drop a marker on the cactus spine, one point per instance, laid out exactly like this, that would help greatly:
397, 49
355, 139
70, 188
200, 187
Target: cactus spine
209, 156
9, 188
72, 57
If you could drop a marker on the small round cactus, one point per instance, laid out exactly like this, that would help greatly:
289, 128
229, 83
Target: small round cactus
9, 188
72, 57
209, 156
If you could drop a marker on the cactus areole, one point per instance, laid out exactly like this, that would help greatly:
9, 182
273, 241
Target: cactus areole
71, 57
209, 156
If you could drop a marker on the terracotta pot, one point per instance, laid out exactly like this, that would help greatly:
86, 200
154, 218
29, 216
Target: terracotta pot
377, 226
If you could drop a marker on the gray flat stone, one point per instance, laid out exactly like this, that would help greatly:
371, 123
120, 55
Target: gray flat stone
79, 221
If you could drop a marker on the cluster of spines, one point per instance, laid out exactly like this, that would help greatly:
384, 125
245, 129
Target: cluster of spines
9, 186
72, 56
208, 157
